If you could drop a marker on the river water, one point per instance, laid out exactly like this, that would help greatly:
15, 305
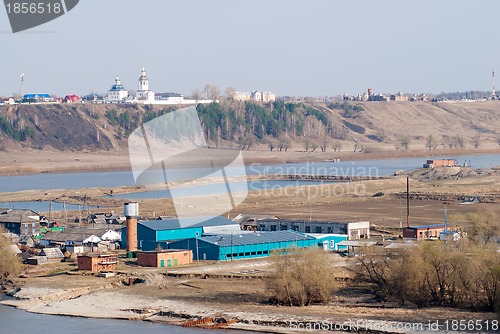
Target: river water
380, 167
13, 321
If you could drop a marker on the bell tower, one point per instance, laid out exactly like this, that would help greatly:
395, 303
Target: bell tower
143, 81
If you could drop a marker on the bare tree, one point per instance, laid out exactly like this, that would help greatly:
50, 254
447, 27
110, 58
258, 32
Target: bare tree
301, 277
430, 142
230, 92
337, 146
458, 141
196, 94
284, 143
313, 145
306, 144
476, 140
206, 90
271, 144
215, 93
325, 141
403, 143
10, 263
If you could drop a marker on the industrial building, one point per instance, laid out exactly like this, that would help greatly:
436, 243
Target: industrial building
245, 245
165, 258
354, 230
155, 234
423, 232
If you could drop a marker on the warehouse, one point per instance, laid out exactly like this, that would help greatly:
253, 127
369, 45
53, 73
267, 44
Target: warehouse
224, 247
354, 230
155, 234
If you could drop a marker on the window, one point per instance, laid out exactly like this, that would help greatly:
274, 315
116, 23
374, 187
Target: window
332, 244
330, 229
273, 227
319, 229
259, 252
284, 227
247, 254
253, 253
308, 229
240, 254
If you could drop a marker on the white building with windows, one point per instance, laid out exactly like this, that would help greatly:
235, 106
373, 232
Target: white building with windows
117, 93
143, 93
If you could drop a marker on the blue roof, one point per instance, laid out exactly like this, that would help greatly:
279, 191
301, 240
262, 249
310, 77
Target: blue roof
428, 226
117, 87
40, 96
255, 238
172, 224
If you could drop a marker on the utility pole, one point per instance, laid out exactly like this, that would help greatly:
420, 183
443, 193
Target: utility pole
407, 201
493, 94
21, 91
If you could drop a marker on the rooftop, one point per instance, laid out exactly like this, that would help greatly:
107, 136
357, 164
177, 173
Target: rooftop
171, 224
356, 243
427, 226
52, 253
18, 216
307, 221
255, 238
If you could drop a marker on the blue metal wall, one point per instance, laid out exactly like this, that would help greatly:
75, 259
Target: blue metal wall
210, 251
148, 238
201, 251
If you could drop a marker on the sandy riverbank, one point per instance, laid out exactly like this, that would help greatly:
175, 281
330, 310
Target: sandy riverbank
229, 290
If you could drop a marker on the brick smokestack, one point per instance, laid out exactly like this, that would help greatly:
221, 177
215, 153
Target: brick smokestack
131, 211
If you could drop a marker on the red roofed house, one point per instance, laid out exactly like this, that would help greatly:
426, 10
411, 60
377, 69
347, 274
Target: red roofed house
8, 100
72, 98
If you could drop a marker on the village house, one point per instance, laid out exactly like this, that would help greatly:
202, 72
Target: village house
21, 222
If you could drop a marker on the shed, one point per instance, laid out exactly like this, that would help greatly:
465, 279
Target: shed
165, 258
97, 262
52, 254
353, 244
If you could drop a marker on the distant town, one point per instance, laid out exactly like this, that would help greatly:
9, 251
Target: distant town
143, 95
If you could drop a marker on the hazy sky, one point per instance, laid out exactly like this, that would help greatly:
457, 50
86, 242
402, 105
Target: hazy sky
291, 47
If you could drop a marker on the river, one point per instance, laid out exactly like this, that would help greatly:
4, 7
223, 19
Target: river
382, 167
